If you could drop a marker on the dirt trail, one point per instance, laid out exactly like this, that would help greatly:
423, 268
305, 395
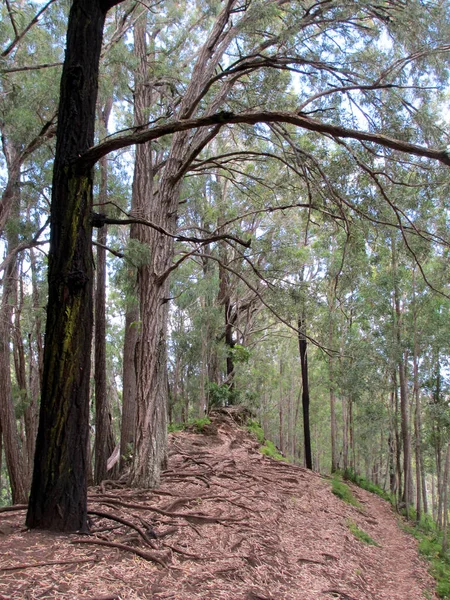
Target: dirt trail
227, 523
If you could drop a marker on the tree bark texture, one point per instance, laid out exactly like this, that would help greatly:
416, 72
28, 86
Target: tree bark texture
162, 209
58, 498
13, 453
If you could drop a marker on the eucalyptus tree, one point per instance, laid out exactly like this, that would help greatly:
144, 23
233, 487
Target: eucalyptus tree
27, 110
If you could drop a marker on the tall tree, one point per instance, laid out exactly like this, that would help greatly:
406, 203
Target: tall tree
58, 497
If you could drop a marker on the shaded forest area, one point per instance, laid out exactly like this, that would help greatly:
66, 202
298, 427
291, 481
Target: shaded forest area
267, 182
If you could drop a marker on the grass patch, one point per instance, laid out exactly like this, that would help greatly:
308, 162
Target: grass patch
255, 428
430, 546
174, 427
365, 484
269, 449
197, 425
342, 491
360, 534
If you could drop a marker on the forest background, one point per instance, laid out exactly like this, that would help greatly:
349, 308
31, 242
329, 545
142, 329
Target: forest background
285, 247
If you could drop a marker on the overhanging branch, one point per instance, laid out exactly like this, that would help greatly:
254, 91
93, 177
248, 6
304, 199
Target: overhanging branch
89, 158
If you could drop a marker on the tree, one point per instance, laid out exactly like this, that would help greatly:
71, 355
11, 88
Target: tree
58, 497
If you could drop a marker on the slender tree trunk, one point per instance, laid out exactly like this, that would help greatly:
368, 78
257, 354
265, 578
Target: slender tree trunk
13, 454
417, 423
303, 349
58, 497
445, 500
128, 426
334, 458
104, 436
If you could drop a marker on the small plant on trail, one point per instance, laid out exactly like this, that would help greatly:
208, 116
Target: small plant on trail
173, 427
342, 491
360, 534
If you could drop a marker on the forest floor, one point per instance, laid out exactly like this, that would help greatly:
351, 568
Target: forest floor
227, 523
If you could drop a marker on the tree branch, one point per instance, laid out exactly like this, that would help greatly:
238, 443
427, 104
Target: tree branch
31, 68
17, 39
89, 158
99, 220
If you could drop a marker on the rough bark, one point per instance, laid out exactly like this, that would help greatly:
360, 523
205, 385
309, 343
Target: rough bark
58, 497
13, 453
128, 427
162, 209
151, 386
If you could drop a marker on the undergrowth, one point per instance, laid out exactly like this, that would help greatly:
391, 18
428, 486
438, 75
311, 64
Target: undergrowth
255, 428
365, 484
360, 534
430, 546
342, 491
196, 424
269, 449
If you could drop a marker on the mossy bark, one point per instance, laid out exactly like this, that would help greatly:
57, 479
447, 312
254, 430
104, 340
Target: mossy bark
58, 498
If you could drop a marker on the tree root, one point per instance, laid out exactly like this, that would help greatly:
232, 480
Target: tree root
49, 562
146, 555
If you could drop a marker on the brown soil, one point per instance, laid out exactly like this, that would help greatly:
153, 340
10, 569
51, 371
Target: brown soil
226, 524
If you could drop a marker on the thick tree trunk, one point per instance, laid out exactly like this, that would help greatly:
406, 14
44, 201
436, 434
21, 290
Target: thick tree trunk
58, 498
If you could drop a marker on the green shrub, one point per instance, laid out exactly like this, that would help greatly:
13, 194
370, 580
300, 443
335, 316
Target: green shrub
173, 427
199, 424
196, 424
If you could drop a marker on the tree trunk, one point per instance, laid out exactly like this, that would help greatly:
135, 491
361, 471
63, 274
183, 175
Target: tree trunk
417, 420
128, 426
445, 500
58, 497
13, 454
104, 436
303, 349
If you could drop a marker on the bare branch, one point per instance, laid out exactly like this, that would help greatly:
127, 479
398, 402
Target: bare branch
100, 220
33, 21
31, 68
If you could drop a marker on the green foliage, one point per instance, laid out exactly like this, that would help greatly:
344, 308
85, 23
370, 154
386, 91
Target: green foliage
239, 353
365, 484
269, 449
342, 491
360, 534
430, 545
174, 427
221, 395
255, 428
197, 425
